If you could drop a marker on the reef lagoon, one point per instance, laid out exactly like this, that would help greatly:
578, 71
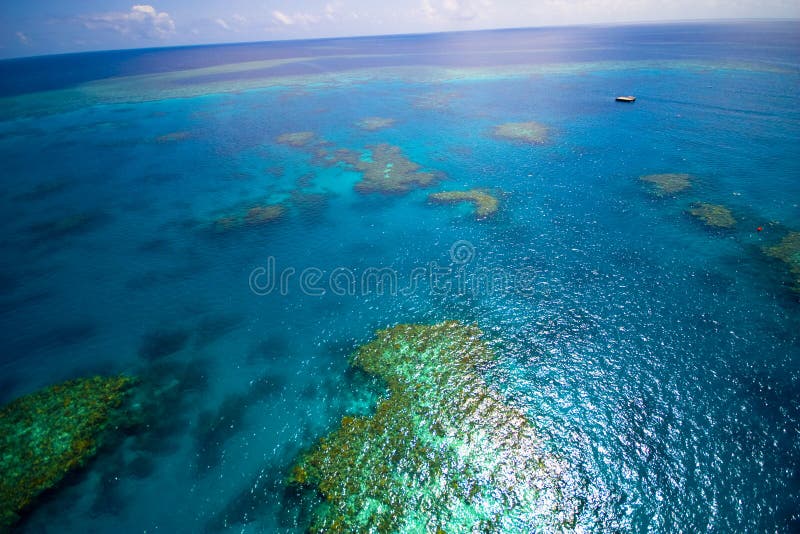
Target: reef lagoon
426, 283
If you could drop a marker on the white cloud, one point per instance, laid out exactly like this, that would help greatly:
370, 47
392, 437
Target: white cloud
454, 10
23, 39
294, 18
234, 23
283, 18
428, 9
331, 9
142, 21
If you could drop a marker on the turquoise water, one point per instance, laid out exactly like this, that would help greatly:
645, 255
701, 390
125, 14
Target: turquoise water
656, 354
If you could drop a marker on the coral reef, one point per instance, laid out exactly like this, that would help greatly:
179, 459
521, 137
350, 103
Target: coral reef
526, 132
386, 170
215, 427
64, 335
262, 214
788, 251
250, 216
47, 434
67, 226
214, 327
276, 171
163, 343
436, 100
443, 452
373, 124
165, 392
309, 205
713, 215
667, 184
384, 167
485, 204
296, 139
269, 350
45, 190
173, 136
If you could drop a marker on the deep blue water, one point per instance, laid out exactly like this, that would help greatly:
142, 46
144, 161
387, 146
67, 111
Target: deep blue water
659, 356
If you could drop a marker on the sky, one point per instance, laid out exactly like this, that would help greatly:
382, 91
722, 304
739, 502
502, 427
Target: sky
35, 27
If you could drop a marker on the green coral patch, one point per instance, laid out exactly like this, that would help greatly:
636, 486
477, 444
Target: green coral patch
713, 215
443, 452
485, 203
667, 184
788, 251
47, 434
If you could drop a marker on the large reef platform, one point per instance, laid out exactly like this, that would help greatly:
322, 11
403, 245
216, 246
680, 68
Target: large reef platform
443, 451
48, 434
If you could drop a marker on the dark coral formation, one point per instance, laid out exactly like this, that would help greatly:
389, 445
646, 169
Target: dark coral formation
163, 343
713, 215
297, 139
788, 251
215, 428
45, 190
662, 185
173, 136
214, 327
67, 226
443, 452
484, 202
250, 216
373, 124
47, 434
262, 214
527, 132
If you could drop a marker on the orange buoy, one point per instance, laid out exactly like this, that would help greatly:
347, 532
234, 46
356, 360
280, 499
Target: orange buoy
760, 228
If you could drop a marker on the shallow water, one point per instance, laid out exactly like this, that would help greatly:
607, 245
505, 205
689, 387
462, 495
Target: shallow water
659, 356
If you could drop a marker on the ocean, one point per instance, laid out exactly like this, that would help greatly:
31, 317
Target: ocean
229, 223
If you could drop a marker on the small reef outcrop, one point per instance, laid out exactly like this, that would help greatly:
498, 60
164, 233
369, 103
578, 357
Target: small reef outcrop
373, 124
436, 100
530, 132
173, 136
662, 185
46, 435
484, 202
297, 139
250, 216
442, 452
788, 251
713, 215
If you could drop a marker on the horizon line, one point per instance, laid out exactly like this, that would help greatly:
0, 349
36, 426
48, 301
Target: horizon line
413, 34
